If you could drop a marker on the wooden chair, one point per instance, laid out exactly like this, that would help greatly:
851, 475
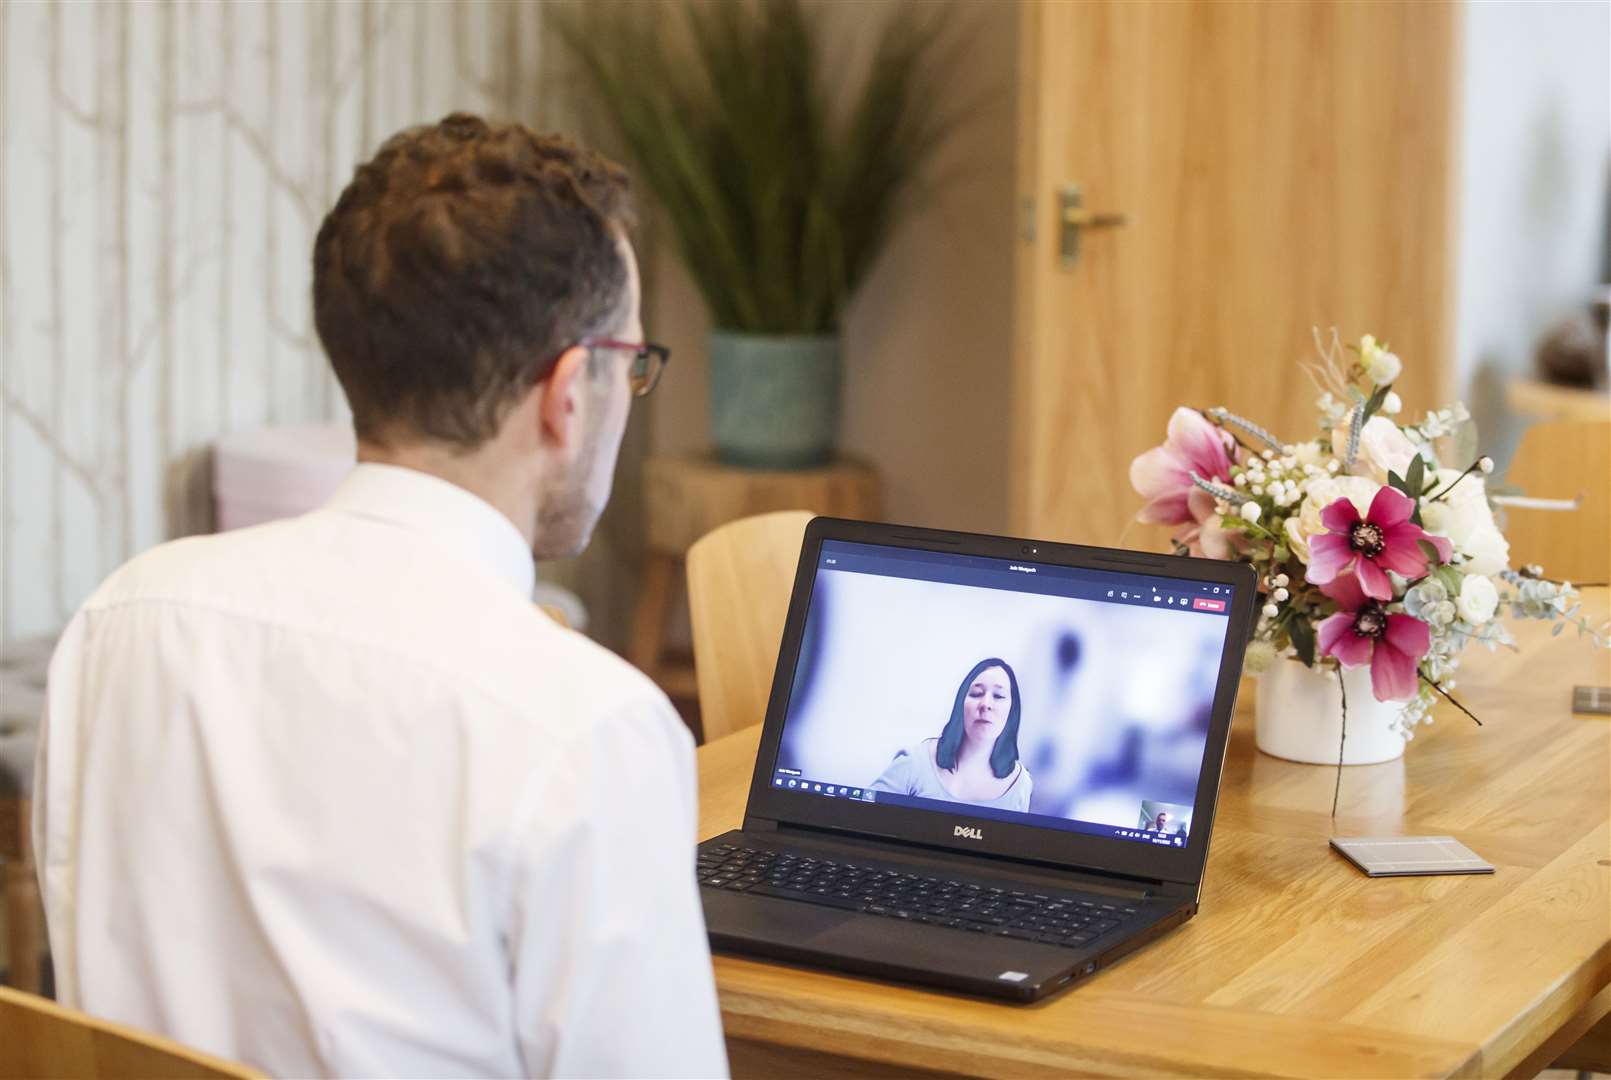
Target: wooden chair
739, 579
1563, 459
1568, 458
20, 894
40, 1039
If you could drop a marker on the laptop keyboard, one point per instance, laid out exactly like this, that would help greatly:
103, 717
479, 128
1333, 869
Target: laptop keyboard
1054, 918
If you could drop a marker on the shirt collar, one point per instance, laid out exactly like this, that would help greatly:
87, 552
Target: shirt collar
442, 511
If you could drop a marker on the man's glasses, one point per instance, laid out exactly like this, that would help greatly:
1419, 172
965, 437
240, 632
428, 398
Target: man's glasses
648, 360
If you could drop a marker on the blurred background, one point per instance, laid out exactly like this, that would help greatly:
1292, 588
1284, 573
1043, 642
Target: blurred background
1435, 174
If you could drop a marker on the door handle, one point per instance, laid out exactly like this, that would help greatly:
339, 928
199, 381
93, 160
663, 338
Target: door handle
1073, 218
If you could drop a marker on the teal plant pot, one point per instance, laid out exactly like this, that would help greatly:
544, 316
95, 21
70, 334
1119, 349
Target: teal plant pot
774, 400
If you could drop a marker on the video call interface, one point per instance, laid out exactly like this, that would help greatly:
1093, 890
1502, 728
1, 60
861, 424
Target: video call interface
1042, 695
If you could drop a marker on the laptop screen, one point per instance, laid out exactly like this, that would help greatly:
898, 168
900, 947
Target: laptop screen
1052, 696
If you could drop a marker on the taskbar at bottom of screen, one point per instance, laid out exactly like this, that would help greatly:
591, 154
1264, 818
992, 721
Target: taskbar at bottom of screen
793, 780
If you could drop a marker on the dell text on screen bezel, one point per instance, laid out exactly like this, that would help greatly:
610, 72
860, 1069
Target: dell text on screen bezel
993, 837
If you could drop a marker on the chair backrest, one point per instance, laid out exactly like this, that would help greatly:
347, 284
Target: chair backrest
39, 1039
739, 580
1563, 459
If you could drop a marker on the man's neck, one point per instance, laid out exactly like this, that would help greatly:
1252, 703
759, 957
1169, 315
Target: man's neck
476, 472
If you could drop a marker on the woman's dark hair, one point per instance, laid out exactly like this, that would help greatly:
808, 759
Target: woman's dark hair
1005, 753
456, 267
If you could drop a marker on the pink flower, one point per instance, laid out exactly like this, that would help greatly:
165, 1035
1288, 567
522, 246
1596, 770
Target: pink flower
1209, 538
1385, 540
1163, 476
1362, 632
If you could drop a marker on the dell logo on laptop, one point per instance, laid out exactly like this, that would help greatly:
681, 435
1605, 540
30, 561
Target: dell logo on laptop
970, 831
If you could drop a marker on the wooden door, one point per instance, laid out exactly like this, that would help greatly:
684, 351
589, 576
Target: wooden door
1283, 166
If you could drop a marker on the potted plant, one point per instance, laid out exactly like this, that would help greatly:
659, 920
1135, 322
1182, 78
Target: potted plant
778, 206
1378, 555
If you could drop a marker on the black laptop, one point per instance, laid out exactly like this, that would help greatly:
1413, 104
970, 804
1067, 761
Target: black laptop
988, 764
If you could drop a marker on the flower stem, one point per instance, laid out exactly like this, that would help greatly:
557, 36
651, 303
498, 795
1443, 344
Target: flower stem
1449, 698
1336, 791
1439, 496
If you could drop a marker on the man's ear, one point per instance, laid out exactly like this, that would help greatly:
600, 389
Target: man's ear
560, 411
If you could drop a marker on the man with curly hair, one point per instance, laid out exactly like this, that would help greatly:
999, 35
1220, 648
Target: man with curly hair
331, 796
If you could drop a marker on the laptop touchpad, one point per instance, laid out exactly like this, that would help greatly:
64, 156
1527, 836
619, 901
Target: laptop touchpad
759, 918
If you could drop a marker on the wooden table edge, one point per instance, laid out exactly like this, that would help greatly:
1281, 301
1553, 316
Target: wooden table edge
1583, 1009
977, 1051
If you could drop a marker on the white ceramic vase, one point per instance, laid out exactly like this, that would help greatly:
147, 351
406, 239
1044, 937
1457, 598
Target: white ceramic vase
1298, 716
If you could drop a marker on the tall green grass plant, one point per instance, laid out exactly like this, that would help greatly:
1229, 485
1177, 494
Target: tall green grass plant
778, 202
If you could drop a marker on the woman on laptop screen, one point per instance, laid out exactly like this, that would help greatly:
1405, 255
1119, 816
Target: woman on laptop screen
975, 758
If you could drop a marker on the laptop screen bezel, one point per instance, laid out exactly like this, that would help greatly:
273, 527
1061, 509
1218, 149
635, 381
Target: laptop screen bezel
1051, 846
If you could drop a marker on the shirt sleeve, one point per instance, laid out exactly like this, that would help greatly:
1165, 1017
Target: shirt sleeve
611, 967
897, 776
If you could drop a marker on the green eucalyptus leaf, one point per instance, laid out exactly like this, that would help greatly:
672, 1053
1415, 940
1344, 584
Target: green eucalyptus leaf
1416, 478
1374, 402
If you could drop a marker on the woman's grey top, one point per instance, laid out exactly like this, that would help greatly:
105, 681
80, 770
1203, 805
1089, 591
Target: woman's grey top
913, 772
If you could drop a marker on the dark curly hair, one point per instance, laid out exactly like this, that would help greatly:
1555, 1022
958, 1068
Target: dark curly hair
458, 264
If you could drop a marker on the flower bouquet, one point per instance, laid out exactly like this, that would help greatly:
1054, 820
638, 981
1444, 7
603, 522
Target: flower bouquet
1374, 540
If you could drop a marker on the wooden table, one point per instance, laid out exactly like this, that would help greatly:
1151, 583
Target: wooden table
1297, 964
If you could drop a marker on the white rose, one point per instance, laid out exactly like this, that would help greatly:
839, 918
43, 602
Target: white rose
1321, 493
1435, 517
1478, 599
1382, 366
1308, 453
1466, 519
1382, 448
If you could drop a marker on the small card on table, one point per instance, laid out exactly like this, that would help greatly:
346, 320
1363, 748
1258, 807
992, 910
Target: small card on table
1409, 856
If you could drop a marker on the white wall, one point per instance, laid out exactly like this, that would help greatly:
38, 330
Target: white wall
1535, 158
163, 169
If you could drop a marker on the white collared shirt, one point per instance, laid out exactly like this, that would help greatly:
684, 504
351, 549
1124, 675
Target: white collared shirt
330, 796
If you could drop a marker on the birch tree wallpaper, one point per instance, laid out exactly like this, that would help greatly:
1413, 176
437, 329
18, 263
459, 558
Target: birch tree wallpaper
163, 169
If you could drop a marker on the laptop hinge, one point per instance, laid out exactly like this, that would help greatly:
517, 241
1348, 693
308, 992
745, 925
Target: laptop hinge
1138, 888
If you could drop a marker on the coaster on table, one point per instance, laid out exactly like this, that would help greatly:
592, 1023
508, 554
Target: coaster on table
1591, 699
1409, 856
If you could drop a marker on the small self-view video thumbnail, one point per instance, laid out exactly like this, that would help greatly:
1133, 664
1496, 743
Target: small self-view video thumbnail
1170, 819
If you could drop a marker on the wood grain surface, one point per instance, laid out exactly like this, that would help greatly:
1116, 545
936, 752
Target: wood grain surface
1297, 964
43, 1039
1283, 167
